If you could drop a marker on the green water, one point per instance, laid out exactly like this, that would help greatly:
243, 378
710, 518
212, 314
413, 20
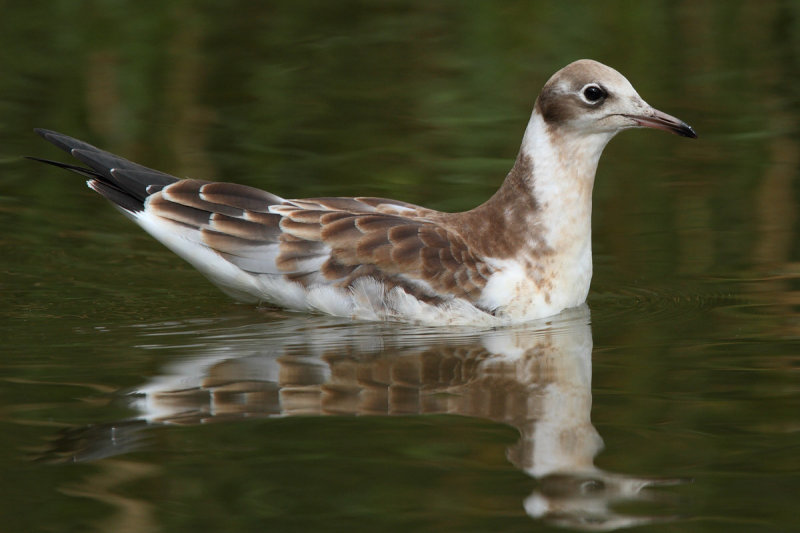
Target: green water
136, 397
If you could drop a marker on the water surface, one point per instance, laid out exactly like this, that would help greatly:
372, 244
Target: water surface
136, 397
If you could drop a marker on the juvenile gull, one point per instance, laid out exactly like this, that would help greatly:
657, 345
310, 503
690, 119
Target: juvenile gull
524, 254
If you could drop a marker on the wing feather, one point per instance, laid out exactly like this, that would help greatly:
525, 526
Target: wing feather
417, 255
188, 192
267, 231
348, 243
241, 196
161, 206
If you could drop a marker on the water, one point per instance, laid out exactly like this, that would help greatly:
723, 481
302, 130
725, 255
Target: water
135, 397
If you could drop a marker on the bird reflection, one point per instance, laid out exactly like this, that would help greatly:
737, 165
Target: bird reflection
535, 378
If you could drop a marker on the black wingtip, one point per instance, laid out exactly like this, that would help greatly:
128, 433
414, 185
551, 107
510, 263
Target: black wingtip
46, 134
65, 142
118, 172
83, 171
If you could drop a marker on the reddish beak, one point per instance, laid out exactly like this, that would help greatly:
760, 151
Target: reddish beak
661, 121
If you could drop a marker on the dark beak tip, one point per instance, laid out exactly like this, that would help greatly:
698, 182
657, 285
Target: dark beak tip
686, 131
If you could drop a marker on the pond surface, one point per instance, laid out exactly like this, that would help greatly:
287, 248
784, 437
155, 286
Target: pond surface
136, 397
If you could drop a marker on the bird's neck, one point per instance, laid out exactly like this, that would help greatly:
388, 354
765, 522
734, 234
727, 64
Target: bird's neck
544, 207
560, 181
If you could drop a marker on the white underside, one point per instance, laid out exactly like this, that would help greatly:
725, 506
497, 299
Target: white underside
367, 299
519, 298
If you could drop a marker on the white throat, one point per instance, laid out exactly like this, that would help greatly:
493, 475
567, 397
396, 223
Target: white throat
565, 160
563, 165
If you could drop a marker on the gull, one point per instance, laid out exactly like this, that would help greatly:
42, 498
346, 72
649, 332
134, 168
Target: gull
522, 255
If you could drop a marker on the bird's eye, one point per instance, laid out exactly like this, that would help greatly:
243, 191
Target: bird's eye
593, 93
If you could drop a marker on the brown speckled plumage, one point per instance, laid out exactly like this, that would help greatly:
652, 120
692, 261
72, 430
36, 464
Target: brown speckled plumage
523, 254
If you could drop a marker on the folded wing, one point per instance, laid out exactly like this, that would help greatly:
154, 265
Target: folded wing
246, 240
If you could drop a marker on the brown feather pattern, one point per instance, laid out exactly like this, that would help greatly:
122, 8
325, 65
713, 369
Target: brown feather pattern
328, 240
418, 255
241, 196
532, 238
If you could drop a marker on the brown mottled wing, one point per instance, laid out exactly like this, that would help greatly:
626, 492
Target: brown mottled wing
413, 253
232, 220
325, 240
318, 240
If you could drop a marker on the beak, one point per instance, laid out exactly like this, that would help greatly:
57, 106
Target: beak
653, 118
